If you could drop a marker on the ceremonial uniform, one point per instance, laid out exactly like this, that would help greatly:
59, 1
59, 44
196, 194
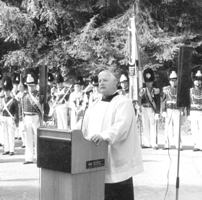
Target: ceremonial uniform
1, 106
196, 111
94, 95
170, 112
16, 81
77, 103
61, 101
150, 109
20, 95
32, 114
124, 83
9, 117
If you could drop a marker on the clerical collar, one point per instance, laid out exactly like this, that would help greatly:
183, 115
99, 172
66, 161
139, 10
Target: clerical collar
110, 97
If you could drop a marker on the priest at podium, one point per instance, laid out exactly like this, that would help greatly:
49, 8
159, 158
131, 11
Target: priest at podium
112, 119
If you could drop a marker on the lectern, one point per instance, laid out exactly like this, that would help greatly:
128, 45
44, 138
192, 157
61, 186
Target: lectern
72, 168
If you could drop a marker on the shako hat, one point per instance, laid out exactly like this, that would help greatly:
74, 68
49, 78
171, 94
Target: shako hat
31, 79
7, 83
94, 80
79, 80
173, 74
148, 75
198, 75
123, 78
59, 78
16, 78
50, 77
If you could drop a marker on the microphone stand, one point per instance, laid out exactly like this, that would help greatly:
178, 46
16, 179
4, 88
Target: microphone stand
178, 156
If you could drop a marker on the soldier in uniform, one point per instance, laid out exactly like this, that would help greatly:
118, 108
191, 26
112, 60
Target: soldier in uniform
150, 109
22, 91
170, 111
61, 103
1, 105
124, 82
196, 110
77, 103
95, 94
9, 116
16, 81
32, 114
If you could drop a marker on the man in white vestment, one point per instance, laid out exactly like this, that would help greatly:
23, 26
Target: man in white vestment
113, 119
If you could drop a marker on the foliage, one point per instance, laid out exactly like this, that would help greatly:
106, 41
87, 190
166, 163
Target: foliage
84, 36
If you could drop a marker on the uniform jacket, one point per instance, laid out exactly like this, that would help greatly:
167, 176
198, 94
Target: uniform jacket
151, 99
196, 98
169, 98
10, 108
115, 121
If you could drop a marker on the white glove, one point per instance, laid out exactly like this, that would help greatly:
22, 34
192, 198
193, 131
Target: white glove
156, 116
164, 114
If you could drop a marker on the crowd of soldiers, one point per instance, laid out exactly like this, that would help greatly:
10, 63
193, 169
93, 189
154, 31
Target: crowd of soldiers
21, 112
159, 103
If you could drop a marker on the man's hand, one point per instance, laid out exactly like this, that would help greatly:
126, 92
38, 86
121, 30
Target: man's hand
97, 139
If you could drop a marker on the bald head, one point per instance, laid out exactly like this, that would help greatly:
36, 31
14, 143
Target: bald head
107, 83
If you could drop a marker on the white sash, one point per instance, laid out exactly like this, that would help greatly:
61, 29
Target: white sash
5, 106
151, 101
35, 102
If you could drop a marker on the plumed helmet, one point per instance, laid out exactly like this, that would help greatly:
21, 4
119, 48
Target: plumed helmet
7, 83
31, 79
173, 74
123, 78
59, 78
79, 81
16, 78
196, 72
50, 77
148, 75
94, 80
198, 75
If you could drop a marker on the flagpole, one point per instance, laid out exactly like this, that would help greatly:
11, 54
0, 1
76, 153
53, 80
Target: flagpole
134, 64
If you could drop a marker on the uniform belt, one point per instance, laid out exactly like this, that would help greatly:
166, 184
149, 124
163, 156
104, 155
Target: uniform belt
171, 105
146, 105
195, 107
30, 114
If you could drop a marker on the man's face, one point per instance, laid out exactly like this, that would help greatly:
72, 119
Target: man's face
31, 87
77, 88
149, 84
173, 82
198, 83
124, 85
7, 93
107, 83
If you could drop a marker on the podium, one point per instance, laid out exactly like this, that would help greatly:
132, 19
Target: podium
72, 168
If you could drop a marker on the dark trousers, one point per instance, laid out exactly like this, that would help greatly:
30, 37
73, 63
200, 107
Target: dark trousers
119, 191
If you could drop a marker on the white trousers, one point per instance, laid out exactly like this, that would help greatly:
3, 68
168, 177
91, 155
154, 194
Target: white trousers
8, 133
196, 128
62, 116
31, 122
21, 129
149, 127
171, 132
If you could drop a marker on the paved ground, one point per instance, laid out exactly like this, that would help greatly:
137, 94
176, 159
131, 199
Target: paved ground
21, 182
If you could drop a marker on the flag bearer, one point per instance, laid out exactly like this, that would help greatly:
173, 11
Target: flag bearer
150, 108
